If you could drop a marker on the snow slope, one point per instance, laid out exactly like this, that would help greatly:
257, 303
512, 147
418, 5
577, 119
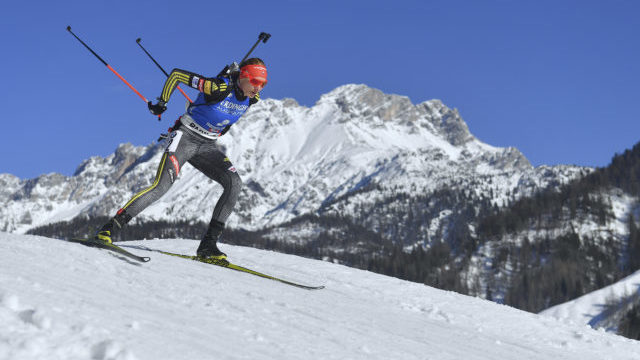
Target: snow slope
593, 309
61, 300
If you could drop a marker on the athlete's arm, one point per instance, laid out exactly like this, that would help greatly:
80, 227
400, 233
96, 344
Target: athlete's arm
209, 86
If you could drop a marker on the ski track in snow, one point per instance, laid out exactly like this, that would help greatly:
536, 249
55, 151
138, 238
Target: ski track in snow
60, 300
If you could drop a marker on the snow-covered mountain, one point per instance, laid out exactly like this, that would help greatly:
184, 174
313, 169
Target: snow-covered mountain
602, 246
296, 160
60, 300
361, 169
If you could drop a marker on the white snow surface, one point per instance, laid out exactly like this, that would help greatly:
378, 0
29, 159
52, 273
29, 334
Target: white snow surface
592, 308
61, 300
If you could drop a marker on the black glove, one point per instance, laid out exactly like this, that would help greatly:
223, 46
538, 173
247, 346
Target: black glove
158, 108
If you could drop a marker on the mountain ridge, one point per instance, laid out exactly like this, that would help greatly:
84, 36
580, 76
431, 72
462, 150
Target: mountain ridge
353, 135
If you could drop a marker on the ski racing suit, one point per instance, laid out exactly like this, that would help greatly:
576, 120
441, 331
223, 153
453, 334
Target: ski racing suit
193, 139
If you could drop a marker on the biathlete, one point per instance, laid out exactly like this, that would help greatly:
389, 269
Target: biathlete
221, 102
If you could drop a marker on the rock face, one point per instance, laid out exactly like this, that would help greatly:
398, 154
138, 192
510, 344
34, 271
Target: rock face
296, 160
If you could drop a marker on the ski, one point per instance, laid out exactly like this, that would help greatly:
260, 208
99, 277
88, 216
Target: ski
227, 264
111, 247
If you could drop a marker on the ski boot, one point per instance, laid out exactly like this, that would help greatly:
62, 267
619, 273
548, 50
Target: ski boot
208, 248
108, 229
104, 236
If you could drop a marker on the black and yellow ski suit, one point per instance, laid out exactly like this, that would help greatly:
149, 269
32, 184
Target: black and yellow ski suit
191, 142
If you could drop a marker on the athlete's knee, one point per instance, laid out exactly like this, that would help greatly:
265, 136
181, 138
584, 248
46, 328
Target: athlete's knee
164, 183
236, 182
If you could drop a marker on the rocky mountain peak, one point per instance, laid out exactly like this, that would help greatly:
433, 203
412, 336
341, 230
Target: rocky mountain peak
357, 101
361, 101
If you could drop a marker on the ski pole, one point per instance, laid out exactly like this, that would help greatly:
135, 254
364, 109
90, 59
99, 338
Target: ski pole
262, 37
160, 67
108, 66
229, 68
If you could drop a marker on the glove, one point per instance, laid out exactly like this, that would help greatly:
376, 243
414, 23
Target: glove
158, 108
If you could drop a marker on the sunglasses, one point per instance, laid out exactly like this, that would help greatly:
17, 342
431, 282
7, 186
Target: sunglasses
258, 83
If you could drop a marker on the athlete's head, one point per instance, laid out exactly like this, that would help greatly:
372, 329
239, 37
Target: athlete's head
253, 76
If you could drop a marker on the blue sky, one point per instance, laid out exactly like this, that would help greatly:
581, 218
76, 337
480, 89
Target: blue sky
559, 80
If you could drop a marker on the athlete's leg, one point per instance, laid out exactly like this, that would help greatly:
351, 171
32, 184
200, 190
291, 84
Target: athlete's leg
178, 151
215, 165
